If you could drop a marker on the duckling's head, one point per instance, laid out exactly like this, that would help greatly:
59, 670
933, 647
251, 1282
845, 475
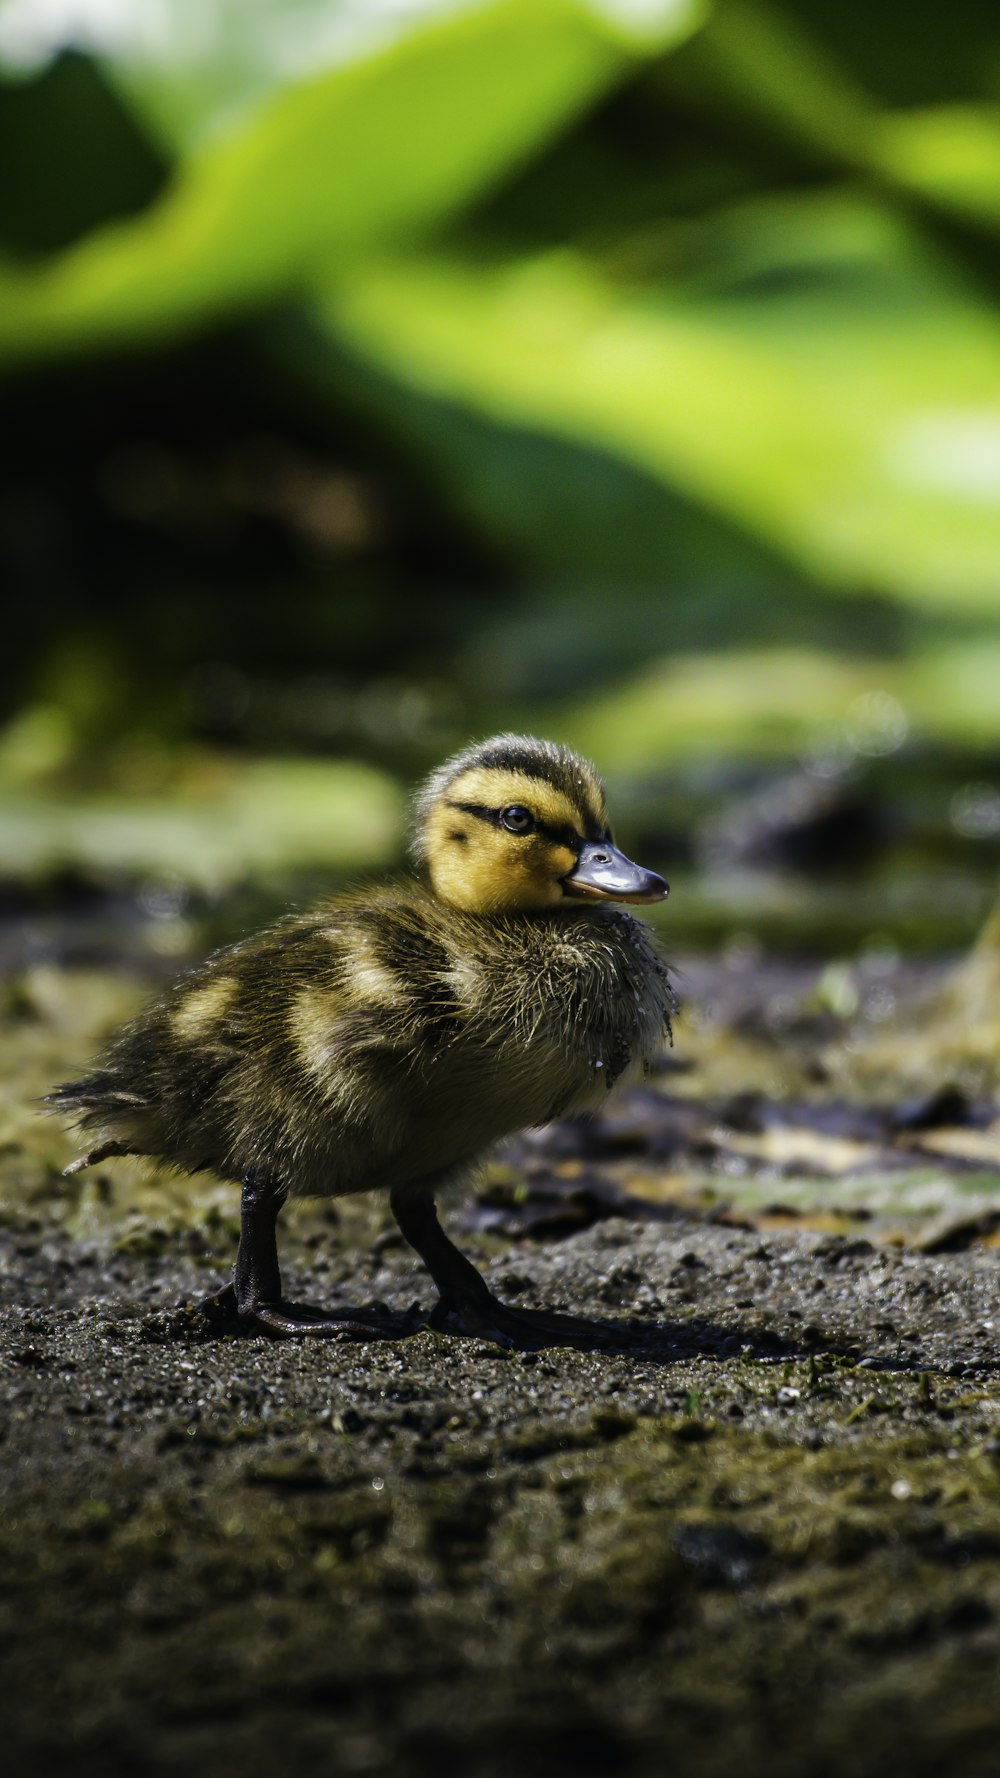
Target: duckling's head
516, 823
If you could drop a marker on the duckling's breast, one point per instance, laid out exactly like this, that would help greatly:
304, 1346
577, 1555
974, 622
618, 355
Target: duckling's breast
584, 1000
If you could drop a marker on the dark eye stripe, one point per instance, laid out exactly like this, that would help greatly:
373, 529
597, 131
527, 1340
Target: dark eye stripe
561, 835
480, 810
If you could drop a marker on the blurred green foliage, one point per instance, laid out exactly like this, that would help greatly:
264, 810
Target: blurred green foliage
803, 353
625, 367
382, 148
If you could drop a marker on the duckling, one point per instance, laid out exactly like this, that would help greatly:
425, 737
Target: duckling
384, 1040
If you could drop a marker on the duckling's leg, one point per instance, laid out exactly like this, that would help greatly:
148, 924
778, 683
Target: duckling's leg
254, 1296
466, 1297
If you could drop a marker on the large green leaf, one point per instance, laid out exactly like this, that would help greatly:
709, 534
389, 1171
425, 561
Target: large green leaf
818, 377
365, 154
191, 68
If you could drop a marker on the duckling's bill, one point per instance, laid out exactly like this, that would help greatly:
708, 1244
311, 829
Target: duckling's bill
602, 873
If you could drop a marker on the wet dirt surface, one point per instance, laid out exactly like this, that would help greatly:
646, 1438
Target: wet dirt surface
759, 1532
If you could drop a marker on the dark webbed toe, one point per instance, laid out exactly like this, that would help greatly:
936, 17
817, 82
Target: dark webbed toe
296, 1321
301, 1321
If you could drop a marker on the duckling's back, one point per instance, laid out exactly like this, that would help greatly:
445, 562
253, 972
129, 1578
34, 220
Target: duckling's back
378, 1041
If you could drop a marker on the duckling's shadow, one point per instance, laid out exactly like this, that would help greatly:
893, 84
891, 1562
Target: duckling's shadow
672, 1342
664, 1343
658, 1343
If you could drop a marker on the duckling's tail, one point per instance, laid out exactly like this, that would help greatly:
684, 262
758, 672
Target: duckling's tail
94, 1101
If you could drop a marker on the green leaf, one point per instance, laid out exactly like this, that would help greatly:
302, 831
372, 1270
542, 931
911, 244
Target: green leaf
191, 68
818, 377
376, 152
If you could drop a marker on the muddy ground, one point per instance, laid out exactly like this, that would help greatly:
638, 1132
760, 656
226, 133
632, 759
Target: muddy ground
759, 1533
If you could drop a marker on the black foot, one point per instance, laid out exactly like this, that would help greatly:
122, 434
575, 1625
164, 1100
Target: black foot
468, 1306
529, 1330
300, 1321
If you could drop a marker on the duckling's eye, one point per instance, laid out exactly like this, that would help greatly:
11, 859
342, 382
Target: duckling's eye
516, 819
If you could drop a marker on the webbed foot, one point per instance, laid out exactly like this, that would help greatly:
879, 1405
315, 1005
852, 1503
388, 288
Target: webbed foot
282, 1320
467, 1305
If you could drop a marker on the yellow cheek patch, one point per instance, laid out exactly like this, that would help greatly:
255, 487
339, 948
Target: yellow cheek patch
560, 860
200, 1009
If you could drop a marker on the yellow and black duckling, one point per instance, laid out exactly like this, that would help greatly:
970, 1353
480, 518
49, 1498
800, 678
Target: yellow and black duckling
384, 1040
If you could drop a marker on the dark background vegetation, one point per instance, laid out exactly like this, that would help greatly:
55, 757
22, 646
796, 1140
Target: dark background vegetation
377, 378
